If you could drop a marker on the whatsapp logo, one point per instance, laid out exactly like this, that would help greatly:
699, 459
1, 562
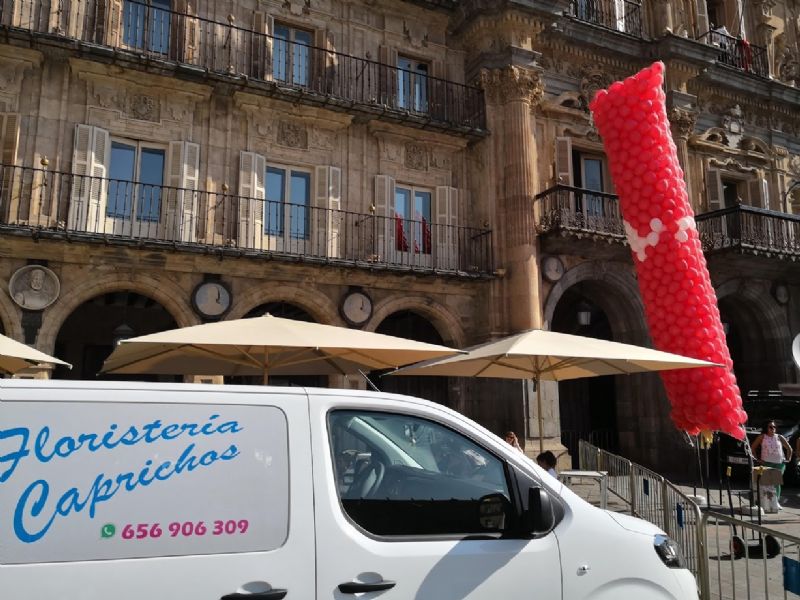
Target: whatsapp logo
107, 531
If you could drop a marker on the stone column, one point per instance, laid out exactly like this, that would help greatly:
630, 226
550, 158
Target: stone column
683, 122
514, 91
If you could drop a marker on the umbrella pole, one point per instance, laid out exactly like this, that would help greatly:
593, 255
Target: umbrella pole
541, 417
266, 375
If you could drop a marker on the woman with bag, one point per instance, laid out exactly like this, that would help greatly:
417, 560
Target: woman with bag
773, 451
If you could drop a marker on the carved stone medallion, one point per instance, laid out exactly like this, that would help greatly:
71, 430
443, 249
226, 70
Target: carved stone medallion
416, 156
34, 287
143, 107
293, 135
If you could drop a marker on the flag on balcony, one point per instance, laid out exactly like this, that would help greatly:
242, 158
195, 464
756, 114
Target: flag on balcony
401, 242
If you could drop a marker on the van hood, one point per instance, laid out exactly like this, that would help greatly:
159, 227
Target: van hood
633, 524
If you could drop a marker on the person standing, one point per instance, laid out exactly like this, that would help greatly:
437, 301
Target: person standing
511, 439
772, 450
547, 460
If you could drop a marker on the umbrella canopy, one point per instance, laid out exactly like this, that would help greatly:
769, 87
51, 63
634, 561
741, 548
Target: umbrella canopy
548, 355
266, 345
15, 356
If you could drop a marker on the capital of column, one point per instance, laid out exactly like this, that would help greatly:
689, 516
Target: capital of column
510, 83
683, 121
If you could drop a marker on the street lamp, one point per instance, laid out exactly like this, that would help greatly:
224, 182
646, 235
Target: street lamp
584, 314
122, 332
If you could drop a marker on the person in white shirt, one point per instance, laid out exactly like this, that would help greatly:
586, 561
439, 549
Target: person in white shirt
772, 450
547, 460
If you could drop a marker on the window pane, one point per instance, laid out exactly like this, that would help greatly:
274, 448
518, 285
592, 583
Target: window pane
151, 177
159, 26
276, 191
120, 173
300, 57
593, 180
402, 475
133, 17
298, 211
403, 82
402, 213
280, 53
422, 222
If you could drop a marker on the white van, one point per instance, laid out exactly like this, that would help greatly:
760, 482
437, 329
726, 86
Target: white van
138, 491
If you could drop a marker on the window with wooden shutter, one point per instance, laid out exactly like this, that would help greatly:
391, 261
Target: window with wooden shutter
261, 48
714, 195
564, 161
328, 199
179, 207
619, 9
9, 142
252, 195
447, 231
702, 18
387, 76
90, 161
384, 204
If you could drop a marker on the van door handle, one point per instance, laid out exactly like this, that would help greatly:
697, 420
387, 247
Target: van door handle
356, 587
270, 595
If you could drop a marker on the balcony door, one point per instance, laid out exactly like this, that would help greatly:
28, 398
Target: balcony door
412, 226
412, 84
146, 25
136, 180
291, 55
287, 219
593, 180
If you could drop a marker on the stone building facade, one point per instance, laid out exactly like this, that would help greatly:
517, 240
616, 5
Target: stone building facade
166, 163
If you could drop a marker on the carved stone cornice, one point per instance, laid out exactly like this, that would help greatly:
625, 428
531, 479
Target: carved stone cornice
512, 84
683, 121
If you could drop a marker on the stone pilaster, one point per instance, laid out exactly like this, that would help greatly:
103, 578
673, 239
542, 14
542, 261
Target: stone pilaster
683, 122
514, 91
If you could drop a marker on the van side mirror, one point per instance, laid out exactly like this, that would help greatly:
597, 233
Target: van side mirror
493, 512
539, 518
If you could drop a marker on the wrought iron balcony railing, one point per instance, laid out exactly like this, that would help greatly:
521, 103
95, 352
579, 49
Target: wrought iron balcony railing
739, 54
288, 66
752, 230
66, 206
574, 210
619, 15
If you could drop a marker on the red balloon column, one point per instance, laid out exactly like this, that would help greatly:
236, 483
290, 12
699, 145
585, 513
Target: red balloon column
679, 301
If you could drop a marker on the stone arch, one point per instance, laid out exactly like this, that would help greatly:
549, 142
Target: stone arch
161, 289
445, 322
762, 324
10, 315
318, 305
621, 300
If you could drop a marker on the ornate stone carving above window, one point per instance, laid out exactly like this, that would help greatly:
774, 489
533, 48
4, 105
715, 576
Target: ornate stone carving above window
416, 34
144, 107
293, 135
297, 7
593, 79
416, 156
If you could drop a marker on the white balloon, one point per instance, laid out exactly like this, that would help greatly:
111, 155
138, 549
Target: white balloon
652, 238
656, 225
682, 236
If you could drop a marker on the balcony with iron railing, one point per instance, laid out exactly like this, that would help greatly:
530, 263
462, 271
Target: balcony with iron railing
54, 205
624, 16
737, 53
571, 211
750, 230
148, 36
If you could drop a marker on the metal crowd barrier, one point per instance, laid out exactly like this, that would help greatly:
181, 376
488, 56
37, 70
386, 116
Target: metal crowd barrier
730, 558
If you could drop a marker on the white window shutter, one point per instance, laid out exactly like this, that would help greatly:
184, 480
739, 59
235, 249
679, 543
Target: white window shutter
179, 202
79, 198
702, 20
714, 193
252, 196
619, 6
564, 161
10, 137
101, 161
335, 216
261, 67
764, 193
9, 140
384, 212
447, 220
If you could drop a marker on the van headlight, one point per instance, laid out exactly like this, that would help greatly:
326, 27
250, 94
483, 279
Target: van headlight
669, 552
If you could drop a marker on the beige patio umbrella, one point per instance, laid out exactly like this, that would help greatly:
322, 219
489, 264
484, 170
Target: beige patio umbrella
266, 346
16, 356
550, 356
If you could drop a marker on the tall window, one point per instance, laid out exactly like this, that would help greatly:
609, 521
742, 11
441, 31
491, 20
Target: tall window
412, 213
291, 59
136, 176
288, 194
146, 25
412, 84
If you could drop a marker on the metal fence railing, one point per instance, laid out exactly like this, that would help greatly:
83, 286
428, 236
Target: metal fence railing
246, 47
54, 203
620, 15
738, 53
730, 558
565, 208
750, 229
